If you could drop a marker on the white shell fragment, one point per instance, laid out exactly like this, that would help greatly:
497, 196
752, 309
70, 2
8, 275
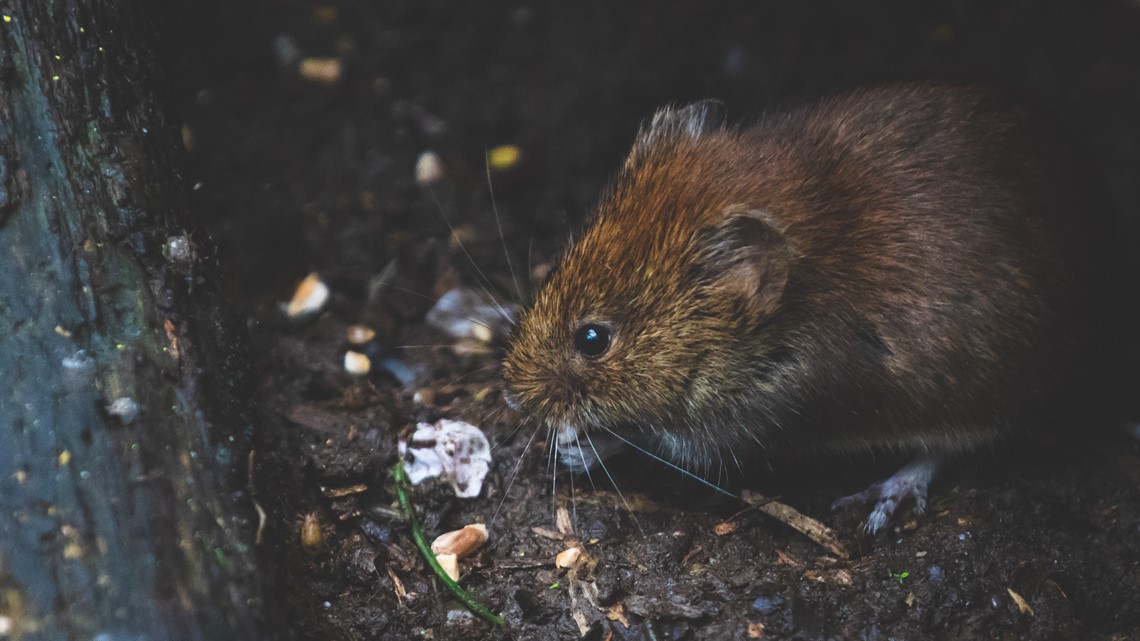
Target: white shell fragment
455, 451
356, 363
310, 296
125, 408
429, 168
463, 313
461, 542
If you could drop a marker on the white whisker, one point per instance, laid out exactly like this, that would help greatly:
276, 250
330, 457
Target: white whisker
672, 465
515, 472
614, 483
499, 224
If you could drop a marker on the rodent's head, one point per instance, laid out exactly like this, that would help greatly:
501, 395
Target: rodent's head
652, 315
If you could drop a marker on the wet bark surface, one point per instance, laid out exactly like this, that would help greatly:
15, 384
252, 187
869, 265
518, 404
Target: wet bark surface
122, 469
300, 171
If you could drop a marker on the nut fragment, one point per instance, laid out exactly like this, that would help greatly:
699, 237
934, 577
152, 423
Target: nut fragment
323, 70
311, 536
568, 558
429, 168
450, 565
460, 542
310, 296
359, 334
357, 363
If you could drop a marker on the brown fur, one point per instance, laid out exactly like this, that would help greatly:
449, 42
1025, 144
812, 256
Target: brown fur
875, 271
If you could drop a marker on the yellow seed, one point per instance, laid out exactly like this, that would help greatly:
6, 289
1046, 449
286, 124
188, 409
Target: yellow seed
64, 457
504, 157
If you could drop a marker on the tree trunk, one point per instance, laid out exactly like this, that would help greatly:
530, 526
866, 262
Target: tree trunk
123, 439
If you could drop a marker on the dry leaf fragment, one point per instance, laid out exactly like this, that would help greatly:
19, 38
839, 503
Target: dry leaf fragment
726, 527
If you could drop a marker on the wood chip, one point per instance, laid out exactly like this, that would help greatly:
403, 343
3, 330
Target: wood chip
337, 492
547, 533
397, 586
1022, 605
562, 520
727, 527
616, 612
824, 536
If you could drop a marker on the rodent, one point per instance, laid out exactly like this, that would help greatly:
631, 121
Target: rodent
881, 270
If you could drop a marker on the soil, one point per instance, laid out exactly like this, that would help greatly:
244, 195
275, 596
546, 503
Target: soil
295, 174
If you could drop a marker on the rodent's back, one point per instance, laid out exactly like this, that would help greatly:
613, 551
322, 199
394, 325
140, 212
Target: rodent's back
903, 275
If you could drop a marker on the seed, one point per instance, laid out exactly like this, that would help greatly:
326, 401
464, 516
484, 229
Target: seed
356, 363
311, 536
568, 558
460, 542
310, 296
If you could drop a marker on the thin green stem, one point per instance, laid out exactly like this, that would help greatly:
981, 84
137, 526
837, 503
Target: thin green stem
464, 596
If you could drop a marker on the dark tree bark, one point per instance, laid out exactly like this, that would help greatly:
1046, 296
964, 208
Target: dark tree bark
123, 439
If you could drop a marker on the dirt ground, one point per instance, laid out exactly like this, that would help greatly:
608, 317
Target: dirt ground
297, 172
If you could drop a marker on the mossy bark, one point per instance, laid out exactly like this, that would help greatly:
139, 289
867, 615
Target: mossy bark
123, 439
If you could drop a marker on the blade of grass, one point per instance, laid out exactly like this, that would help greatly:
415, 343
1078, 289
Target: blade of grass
465, 597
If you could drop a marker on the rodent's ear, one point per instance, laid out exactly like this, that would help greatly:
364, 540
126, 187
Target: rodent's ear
747, 254
692, 121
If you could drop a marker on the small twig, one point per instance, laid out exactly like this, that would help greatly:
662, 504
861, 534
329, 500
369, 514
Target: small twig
464, 596
793, 518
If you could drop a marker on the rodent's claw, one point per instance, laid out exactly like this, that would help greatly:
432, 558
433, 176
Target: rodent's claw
909, 482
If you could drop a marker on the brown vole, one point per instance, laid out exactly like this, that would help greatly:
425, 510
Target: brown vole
879, 271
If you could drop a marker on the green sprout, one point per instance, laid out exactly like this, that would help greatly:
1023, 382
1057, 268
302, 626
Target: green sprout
409, 510
901, 576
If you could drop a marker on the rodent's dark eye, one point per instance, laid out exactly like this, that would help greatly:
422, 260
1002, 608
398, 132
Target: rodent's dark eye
592, 341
